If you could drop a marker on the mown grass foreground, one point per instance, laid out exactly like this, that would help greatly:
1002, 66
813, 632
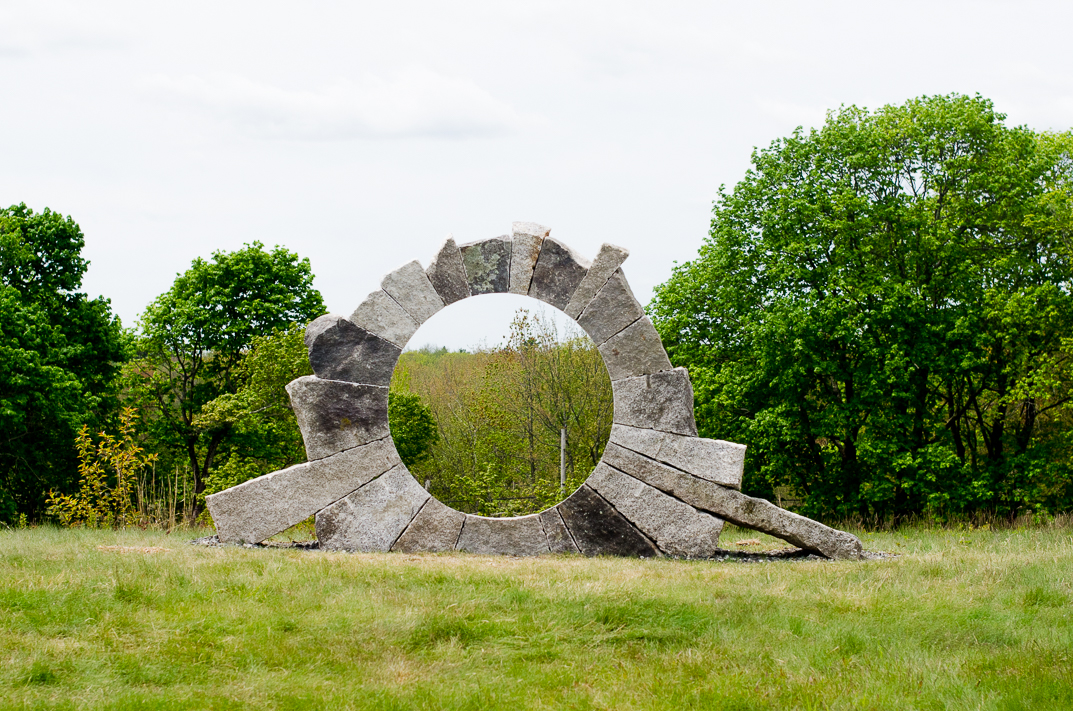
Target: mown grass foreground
961, 620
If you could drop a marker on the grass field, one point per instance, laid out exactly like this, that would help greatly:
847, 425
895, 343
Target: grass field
971, 619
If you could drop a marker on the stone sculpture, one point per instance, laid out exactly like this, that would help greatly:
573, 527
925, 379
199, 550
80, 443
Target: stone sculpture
659, 489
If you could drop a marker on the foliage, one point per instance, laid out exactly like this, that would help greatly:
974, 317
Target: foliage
193, 341
59, 354
882, 312
108, 474
413, 428
500, 411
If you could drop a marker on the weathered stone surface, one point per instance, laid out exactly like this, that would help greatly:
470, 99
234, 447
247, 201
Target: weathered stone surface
339, 350
677, 528
598, 529
557, 274
262, 507
611, 310
526, 238
559, 540
487, 264
434, 529
711, 459
409, 286
635, 350
334, 415
661, 401
382, 316
736, 507
520, 535
608, 259
374, 516
447, 274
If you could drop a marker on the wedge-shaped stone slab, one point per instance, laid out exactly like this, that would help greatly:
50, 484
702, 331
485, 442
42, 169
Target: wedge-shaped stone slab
557, 274
267, 505
339, 350
374, 516
711, 459
447, 274
598, 529
409, 286
661, 401
559, 540
608, 259
487, 265
382, 316
433, 530
635, 350
677, 528
611, 310
334, 415
526, 238
736, 507
520, 535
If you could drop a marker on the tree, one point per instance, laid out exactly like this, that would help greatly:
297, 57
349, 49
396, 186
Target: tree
195, 336
879, 312
413, 428
60, 352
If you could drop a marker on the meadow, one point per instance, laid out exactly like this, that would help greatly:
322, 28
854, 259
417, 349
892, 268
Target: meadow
959, 619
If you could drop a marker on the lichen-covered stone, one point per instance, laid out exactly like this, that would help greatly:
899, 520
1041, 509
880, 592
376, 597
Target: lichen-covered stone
711, 459
611, 310
557, 274
559, 540
520, 535
339, 350
598, 529
334, 415
608, 259
661, 401
382, 316
267, 505
433, 530
677, 528
374, 516
526, 238
635, 350
736, 507
409, 286
487, 264
446, 273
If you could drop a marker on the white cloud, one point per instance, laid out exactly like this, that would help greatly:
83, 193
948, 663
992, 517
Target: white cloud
415, 102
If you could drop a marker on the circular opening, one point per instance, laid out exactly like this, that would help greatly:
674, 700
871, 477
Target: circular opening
500, 405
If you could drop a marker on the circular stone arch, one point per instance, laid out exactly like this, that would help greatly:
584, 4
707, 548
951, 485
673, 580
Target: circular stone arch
659, 489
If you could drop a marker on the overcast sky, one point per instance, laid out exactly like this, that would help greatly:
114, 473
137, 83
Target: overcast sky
360, 134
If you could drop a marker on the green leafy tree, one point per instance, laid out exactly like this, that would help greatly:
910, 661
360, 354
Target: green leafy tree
413, 428
60, 352
879, 312
195, 337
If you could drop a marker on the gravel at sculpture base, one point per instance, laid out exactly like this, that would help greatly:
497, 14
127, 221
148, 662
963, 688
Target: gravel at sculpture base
611, 310
262, 507
446, 273
711, 459
339, 350
409, 286
635, 350
661, 401
382, 316
487, 265
557, 274
374, 516
659, 489
334, 415
526, 239
435, 529
521, 535
677, 528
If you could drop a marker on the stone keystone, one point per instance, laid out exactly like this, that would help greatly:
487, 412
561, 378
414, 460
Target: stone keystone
557, 274
526, 239
487, 264
447, 274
